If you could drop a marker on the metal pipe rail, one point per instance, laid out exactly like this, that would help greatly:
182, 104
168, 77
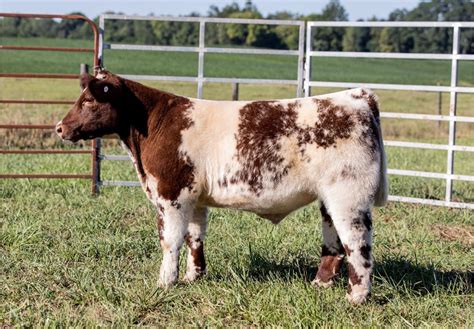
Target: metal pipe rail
36, 48
304, 79
201, 49
94, 175
34, 101
453, 89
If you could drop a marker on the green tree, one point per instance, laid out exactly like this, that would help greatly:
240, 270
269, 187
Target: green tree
9, 26
356, 39
143, 31
70, 27
288, 36
216, 33
433, 39
329, 38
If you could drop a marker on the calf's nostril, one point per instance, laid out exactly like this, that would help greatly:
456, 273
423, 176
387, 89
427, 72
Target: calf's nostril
59, 129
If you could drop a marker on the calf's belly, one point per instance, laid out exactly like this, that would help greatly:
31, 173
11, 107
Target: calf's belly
272, 204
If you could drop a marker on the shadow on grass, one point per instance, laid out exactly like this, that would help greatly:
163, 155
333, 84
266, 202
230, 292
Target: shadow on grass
422, 279
402, 276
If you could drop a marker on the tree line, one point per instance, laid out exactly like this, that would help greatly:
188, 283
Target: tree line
279, 37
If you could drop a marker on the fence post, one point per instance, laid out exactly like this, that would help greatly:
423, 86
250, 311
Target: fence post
202, 38
235, 91
440, 102
452, 113
307, 63
95, 161
300, 75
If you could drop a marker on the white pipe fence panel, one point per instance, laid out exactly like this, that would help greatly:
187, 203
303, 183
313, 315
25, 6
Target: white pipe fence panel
304, 83
453, 89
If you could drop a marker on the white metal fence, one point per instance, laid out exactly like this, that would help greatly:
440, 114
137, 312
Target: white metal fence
201, 49
453, 89
304, 82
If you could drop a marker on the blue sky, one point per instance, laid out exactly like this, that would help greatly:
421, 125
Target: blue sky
91, 8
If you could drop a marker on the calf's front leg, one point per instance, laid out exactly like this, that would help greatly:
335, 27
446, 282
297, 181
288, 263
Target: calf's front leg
196, 262
172, 224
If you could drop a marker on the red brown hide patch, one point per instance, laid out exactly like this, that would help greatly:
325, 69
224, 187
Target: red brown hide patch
334, 123
331, 263
160, 225
371, 101
329, 267
197, 253
370, 135
161, 156
263, 124
348, 250
354, 278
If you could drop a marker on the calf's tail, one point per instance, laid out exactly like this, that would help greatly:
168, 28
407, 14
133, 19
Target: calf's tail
381, 194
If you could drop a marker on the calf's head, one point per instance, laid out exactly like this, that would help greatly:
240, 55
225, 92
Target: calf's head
97, 111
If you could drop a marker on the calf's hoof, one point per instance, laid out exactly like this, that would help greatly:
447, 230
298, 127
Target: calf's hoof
165, 285
167, 281
192, 276
357, 298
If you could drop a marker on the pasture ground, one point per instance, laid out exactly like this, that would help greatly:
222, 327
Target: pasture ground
70, 259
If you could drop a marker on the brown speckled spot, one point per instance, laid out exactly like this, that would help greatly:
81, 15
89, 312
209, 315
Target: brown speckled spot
365, 251
348, 250
261, 126
160, 226
367, 220
334, 122
331, 263
354, 278
326, 217
197, 253
223, 182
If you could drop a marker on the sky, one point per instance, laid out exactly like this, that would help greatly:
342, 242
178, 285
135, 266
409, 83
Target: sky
356, 8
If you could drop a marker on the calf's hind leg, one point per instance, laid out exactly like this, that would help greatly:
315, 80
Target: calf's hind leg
332, 252
354, 228
196, 262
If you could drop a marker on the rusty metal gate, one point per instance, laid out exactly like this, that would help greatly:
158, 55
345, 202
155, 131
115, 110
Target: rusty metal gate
94, 174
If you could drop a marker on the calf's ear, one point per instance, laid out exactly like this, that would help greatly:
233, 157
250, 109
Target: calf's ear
85, 79
104, 91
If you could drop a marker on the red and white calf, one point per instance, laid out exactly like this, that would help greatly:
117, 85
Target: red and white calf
267, 157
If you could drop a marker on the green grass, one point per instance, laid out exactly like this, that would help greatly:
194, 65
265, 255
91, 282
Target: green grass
72, 260
232, 65
68, 259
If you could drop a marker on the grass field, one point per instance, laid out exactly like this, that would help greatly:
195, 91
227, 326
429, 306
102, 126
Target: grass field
228, 65
68, 259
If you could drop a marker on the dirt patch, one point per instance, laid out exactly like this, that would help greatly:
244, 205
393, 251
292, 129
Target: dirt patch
463, 234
